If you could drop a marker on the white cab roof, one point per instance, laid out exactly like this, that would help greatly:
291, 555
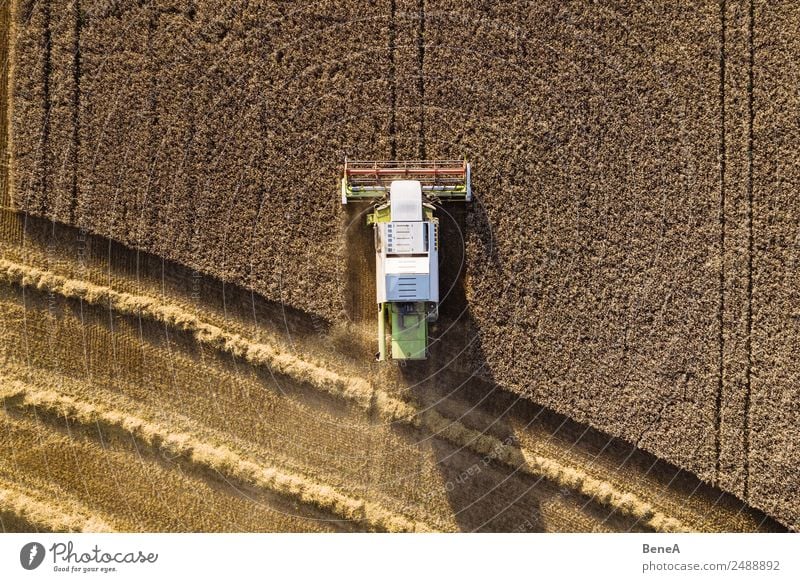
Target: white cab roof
405, 197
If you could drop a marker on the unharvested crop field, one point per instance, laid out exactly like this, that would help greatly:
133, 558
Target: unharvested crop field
183, 302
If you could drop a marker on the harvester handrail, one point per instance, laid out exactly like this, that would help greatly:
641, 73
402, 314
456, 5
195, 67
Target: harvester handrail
406, 165
444, 169
445, 178
404, 162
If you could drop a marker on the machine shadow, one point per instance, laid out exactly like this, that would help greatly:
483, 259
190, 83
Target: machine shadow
456, 381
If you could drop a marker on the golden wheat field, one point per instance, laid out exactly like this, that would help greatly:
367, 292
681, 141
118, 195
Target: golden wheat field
187, 316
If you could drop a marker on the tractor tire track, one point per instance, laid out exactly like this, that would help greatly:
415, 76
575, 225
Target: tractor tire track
393, 79
721, 309
47, 44
76, 107
421, 76
750, 237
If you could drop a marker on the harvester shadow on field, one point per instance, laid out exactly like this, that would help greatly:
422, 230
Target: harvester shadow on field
454, 380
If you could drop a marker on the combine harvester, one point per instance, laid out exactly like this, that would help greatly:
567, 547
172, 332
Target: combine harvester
404, 197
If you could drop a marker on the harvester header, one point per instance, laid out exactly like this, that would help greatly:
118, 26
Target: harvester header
439, 179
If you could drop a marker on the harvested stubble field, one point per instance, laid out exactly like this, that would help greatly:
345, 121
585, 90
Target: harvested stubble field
630, 265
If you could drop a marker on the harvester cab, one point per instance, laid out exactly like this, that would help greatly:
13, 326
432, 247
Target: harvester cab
404, 196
